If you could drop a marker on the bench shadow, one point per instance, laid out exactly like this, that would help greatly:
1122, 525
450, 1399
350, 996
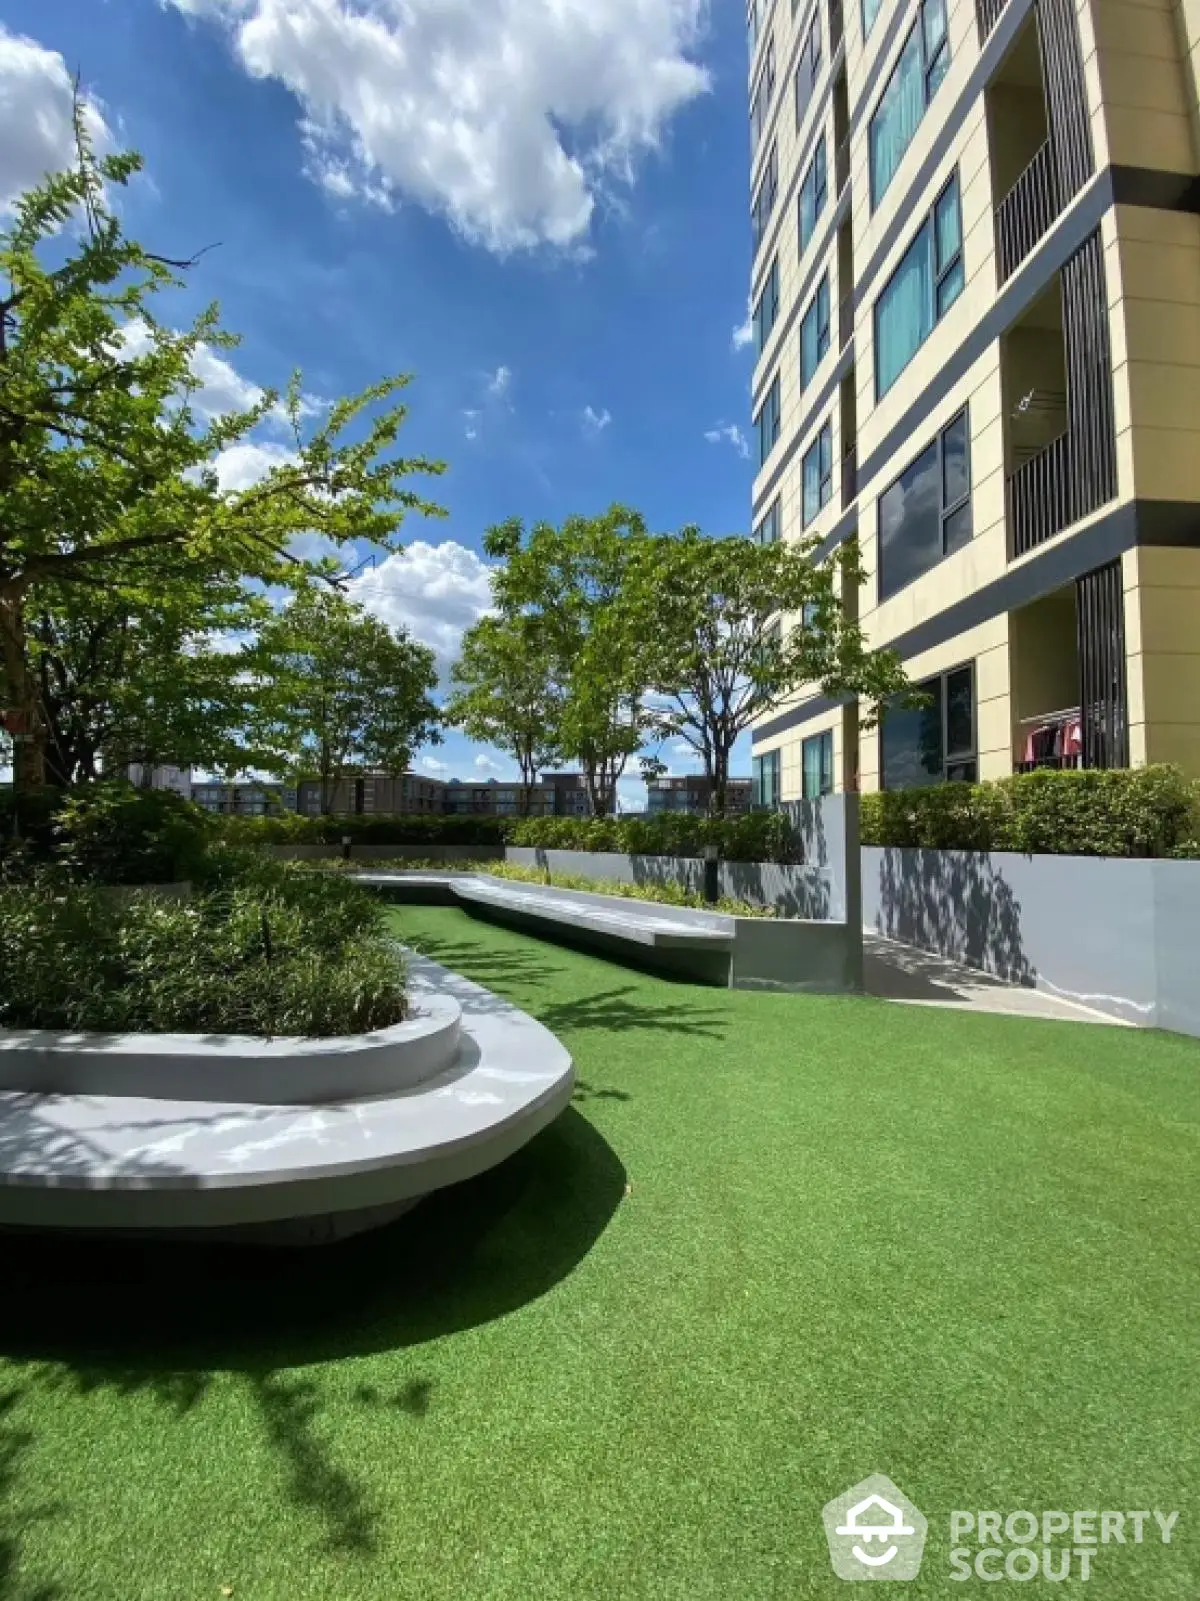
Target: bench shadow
154, 1311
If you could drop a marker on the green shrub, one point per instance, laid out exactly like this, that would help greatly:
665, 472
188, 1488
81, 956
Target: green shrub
415, 830
108, 833
757, 837
1143, 811
267, 951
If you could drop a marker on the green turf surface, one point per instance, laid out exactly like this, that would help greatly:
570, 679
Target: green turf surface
778, 1243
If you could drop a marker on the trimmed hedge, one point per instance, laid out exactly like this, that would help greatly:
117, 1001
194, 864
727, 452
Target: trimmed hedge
107, 833
758, 837
1144, 811
288, 829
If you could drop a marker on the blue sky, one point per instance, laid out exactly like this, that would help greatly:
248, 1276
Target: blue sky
537, 207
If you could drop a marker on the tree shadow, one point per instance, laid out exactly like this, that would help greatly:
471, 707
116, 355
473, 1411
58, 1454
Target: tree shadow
162, 1317
584, 1091
956, 904
626, 1008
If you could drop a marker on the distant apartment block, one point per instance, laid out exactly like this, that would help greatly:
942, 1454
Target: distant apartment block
692, 793
976, 312
554, 795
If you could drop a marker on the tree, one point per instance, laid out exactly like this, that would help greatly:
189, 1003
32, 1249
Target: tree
714, 611
336, 692
108, 477
572, 582
121, 681
506, 693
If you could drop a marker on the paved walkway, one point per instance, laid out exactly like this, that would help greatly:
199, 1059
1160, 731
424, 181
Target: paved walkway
897, 972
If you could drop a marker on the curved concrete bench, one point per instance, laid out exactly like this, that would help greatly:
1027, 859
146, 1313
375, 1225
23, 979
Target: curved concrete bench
235, 1067
286, 1172
790, 953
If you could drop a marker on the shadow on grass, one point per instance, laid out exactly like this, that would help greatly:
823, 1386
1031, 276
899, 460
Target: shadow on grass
14, 1441
628, 1007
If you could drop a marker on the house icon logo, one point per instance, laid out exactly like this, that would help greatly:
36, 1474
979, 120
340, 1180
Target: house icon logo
875, 1532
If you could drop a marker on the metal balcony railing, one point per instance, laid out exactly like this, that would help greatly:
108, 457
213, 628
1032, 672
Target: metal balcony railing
1026, 212
845, 320
1040, 497
841, 165
987, 15
849, 477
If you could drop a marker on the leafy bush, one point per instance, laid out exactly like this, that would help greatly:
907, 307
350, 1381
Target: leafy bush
1144, 811
109, 833
757, 837
266, 950
415, 830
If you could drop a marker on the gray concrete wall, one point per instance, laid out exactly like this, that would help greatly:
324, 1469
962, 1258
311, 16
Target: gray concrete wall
1122, 936
385, 853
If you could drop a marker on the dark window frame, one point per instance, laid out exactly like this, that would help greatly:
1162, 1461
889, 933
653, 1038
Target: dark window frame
809, 62
818, 168
768, 295
771, 404
825, 740
762, 96
818, 310
956, 759
765, 196
823, 445
769, 763
938, 278
946, 512
929, 66
768, 530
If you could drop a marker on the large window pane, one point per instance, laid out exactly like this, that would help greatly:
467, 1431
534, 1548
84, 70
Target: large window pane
816, 766
904, 313
910, 525
897, 116
910, 744
960, 713
947, 226
956, 470
870, 10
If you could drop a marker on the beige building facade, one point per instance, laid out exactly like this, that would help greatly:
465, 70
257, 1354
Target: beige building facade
976, 292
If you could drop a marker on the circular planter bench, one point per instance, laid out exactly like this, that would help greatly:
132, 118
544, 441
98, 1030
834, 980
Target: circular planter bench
274, 1169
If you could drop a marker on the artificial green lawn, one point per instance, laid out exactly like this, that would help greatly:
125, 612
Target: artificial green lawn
778, 1243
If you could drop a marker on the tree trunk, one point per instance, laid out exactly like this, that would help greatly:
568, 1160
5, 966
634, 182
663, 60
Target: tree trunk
29, 752
720, 779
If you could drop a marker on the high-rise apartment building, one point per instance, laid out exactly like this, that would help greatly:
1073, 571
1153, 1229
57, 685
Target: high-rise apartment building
976, 308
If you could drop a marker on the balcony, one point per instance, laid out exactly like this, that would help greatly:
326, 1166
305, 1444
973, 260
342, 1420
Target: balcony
849, 477
836, 26
987, 15
845, 320
1026, 212
1039, 496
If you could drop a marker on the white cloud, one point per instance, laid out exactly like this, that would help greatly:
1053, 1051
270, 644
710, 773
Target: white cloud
509, 118
499, 382
595, 422
242, 465
36, 135
485, 764
432, 765
434, 591
221, 388
729, 433
743, 334
471, 423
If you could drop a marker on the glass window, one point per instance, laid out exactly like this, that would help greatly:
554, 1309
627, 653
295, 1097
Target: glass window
764, 90
808, 66
814, 332
813, 193
768, 530
922, 64
764, 778
926, 514
767, 308
752, 24
764, 199
817, 474
767, 422
922, 289
816, 765
870, 10
932, 743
